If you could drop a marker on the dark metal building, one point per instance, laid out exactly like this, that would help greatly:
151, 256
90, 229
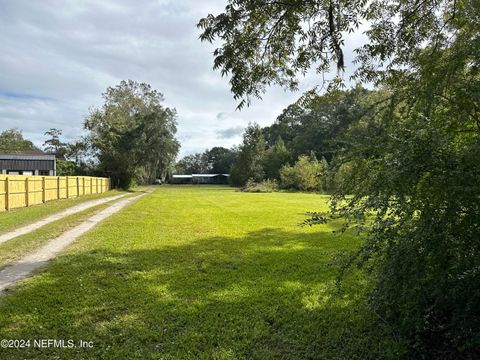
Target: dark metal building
28, 164
218, 179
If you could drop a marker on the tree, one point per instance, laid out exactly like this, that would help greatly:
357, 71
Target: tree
287, 125
413, 167
192, 164
219, 159
76, 150
53, 144
413, 173
132, 131
250, 159
275, 42
12, 140
321, 126
158, 148
79, 155
276, 156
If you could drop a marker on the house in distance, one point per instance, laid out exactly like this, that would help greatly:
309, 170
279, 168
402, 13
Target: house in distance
212, 179
28, 163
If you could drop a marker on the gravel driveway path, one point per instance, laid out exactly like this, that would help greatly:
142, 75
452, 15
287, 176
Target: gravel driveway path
39, 257
57, 216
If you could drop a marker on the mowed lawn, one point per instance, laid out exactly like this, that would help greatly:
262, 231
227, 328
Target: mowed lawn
200, 272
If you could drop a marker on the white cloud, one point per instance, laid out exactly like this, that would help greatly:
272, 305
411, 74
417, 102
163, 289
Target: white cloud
57, 57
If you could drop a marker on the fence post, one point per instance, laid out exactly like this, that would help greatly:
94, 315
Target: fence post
7, 194
78, 186
26, 192
43, 188
66, 186
83, 185
58, 187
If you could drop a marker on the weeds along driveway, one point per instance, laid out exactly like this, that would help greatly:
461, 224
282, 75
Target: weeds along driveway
201, 272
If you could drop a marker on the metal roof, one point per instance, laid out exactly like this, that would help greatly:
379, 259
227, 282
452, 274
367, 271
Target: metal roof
209, 175
26, 157
197, 175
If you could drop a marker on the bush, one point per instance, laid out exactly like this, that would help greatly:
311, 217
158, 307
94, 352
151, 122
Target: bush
66, 168
308, 174
265, 186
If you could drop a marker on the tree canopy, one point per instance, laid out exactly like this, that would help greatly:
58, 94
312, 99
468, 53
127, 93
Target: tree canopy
217, 160
133, 134
12, 140
249, 163
53, 144
265, 42
320, 126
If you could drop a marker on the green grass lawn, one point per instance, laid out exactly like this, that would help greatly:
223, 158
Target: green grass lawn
22, 216
200, 272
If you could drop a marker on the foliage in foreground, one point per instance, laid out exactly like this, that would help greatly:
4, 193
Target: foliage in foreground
412, 163
420, 176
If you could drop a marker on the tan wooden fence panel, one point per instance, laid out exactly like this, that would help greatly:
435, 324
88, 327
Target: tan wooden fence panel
62, 186
88, 182
3, 192
20, 191
16, 191
72, 186
51, 188
35, 190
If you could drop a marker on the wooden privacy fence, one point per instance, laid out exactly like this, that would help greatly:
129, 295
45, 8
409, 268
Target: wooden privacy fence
20, 191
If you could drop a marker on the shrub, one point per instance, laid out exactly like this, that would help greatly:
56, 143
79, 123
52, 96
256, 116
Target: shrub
308, 174
66, 168
265, 186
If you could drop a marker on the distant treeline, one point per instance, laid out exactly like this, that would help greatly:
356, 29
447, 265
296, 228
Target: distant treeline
303, 149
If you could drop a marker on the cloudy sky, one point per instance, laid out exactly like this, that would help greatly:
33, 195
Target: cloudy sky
57, 57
